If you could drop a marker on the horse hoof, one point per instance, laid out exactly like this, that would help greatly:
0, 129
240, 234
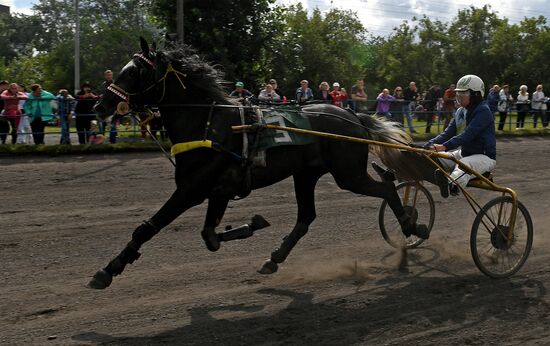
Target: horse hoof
269, 267
101, 280
211, 239
213, 245
422, 231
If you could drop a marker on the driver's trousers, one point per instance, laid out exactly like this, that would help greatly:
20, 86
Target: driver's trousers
423, 169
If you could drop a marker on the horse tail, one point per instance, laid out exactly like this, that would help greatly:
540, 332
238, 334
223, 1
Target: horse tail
382, 130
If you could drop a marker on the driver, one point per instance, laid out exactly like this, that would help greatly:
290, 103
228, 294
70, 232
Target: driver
470, 136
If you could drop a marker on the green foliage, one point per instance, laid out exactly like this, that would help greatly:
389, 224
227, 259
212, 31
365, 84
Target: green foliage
229, 33
255, 40
317, 48
41, 47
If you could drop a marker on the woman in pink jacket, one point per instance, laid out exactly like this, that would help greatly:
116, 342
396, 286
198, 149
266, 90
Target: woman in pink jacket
12, 110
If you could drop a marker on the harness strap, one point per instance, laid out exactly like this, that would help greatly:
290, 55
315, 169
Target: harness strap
245, 135
179, 148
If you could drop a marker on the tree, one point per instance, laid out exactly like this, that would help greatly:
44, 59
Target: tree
109, 36
229, 33
471, 35
317, 48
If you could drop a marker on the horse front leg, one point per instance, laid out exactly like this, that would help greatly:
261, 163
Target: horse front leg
304, 186
178, 203
216, 209
214, 214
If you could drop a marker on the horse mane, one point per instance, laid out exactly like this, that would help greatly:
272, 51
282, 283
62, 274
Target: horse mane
202, 75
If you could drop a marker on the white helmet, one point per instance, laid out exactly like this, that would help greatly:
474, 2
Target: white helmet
471, 82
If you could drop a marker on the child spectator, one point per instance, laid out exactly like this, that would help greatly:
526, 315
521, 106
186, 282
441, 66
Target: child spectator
24, 130
94, 136
65, 109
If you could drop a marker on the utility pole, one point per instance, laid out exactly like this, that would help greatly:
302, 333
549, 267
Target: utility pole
77, 49
180, 20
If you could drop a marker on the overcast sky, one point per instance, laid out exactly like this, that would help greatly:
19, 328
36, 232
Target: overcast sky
381, 16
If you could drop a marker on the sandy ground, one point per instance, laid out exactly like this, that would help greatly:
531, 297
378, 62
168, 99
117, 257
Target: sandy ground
64, 218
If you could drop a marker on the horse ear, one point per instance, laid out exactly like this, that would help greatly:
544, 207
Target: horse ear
159, 57
144, 46
153, 47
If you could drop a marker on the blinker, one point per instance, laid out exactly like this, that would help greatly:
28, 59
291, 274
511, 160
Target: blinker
123, 108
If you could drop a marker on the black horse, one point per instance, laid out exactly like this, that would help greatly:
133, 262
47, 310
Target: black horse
193, 105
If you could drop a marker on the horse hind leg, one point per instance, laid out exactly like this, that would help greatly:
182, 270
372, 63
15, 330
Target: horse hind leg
365, 185
304, 186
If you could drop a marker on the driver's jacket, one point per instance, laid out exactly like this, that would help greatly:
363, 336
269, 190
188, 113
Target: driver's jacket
478, 137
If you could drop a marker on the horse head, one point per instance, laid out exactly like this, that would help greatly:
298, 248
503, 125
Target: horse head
152, 77
133, 88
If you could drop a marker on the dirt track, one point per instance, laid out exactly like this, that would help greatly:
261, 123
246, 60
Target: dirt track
62, 219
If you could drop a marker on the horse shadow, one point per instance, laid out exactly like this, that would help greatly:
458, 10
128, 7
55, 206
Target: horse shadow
390, 312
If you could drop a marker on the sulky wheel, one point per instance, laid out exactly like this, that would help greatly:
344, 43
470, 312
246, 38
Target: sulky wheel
494, 253
417, 201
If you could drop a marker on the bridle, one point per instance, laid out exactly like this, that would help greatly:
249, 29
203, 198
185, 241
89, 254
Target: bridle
124, 106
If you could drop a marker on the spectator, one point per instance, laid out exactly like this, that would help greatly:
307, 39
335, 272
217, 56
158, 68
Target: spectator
433, 96
324, 94
449, 99
384, 101
396, 107
65, 110
156, 125
24, 131
278, 91
493, 98
38, 106
359, 96
4, 124
304, 93
504, 103
84, 111
538, 103
12, 109
345, 100
410, 96
338, 96
523, 106
94, 137
268, 95
107, 80
240, 91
